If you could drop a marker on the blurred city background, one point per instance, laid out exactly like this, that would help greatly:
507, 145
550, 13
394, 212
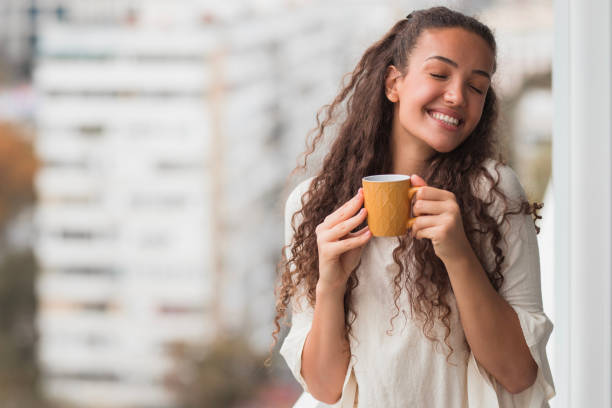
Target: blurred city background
145, 148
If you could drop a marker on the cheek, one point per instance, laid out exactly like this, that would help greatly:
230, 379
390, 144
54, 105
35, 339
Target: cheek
424, 94
414, 103
477, 115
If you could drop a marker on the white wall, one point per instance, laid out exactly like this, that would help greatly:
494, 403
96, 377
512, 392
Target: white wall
583, 201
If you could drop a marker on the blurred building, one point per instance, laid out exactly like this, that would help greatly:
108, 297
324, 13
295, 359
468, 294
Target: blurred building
166, 133
123, 217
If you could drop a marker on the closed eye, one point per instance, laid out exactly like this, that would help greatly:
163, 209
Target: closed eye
441, 76
476, 89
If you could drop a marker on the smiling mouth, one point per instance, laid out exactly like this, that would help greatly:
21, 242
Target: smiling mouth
445, 119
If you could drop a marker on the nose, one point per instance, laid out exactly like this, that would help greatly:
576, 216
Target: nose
455, 94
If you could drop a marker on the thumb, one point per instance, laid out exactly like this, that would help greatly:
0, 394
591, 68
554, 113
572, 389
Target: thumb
417, 181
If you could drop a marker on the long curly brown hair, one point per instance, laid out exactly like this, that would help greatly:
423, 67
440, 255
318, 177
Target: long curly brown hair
362, 147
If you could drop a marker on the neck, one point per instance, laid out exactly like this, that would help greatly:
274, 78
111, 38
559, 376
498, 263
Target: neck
410, 154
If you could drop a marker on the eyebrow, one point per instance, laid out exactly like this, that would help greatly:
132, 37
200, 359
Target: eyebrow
454, 64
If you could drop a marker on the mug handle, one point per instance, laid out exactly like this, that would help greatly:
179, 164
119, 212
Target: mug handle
411, 192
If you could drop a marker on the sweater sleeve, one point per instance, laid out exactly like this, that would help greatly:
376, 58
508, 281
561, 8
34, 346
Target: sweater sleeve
301, 322
522, 290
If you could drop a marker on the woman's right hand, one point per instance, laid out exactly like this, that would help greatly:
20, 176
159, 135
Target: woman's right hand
339, 248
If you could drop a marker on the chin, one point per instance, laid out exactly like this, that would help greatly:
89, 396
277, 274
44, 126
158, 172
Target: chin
444, 148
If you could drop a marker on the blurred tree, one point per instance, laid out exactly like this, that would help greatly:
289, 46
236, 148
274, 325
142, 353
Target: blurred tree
18, 367
19, 372
225, 374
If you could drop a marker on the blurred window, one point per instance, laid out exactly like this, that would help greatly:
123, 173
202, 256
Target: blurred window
88, 376
89, 270
83, 234
67, 164
168, 309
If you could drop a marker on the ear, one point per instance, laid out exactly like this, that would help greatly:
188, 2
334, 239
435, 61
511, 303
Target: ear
391, 83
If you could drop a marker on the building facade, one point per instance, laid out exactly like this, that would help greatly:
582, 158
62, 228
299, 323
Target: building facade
166, 133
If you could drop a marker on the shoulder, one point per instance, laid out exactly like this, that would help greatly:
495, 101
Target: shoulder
506, 180
294, 200
292, 206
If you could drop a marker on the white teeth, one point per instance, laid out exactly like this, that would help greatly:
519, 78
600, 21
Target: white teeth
445, 118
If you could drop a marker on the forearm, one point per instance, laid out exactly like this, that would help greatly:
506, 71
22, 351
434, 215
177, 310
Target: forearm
491, 326
326, 353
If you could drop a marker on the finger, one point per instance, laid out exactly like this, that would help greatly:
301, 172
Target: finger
345, 227
358, 233
427, 233
434, 194
426, 221
417, 181
345, 211
429, 207
339, 247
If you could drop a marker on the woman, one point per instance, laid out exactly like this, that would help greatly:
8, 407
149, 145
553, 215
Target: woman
450, 314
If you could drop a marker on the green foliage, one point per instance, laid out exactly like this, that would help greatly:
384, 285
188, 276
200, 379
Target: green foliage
220, 375
18, 367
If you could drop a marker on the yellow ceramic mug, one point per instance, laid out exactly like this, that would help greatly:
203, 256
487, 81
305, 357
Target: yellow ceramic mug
388, 199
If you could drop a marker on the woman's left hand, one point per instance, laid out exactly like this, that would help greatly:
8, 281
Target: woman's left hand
438, 218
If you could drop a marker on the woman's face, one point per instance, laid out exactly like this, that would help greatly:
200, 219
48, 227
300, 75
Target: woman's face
439, 101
